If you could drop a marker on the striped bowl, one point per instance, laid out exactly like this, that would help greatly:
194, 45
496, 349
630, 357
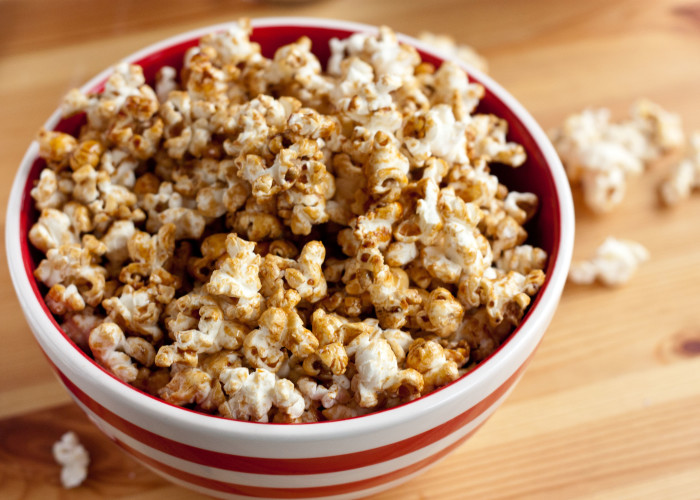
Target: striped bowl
341, 459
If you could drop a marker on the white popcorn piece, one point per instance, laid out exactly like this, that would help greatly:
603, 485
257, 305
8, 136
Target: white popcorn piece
444, 137
447, 45
46, 193
115, 351
614, 263
52, 230
253, 395
685, 176
238, 274
452, 87
73, 459
377, 370
165, 82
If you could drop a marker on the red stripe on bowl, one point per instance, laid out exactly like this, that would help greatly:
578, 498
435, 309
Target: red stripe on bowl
291, 466
311, 492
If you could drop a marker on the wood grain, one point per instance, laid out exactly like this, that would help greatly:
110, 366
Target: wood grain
609, 407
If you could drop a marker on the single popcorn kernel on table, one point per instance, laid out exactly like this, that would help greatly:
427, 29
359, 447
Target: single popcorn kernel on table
73, 459
260, 239
614, 263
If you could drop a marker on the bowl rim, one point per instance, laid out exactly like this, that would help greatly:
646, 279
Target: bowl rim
505, 360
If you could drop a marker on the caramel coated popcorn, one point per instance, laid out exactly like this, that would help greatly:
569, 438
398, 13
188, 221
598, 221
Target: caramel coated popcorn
263, 240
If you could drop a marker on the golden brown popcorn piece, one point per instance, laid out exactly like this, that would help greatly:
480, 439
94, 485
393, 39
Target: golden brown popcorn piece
474, 183
62, 300
78, 325
430, 360
187, 385
387, 169
52, 230
46, 192
255, 224
504, 231
73, 264
210, 334
453, 87
306, 276
253, 395
116, 240
507, 296
296, 71
56, 148
378, 374
327, 327
80, 217
213, 250
114, 351
375, 228
523, 259
461, 248
328, 397
238, 274
150, 256
487, 134
136, 310
440, 313
279, 328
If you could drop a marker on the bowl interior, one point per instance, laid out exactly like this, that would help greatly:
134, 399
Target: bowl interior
534, 176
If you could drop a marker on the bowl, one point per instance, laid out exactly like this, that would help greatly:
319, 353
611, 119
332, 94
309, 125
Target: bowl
333, 459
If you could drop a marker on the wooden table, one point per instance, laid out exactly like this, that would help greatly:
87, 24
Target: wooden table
610, 406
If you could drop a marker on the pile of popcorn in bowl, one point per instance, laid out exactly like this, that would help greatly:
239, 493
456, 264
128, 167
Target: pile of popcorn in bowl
237, 227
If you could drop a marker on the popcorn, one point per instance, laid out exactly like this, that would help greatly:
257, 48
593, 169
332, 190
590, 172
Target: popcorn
46, 193
259, 239
187, 385
306, 277
378, 374
436, 133
685, 176
72, 264
614, 263
73, 459
601, 155
447, 44
238, 274
253, 395
52, 230
442, 313
429, 359
113, 350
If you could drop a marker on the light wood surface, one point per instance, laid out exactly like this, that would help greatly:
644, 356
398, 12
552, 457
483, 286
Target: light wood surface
610, 406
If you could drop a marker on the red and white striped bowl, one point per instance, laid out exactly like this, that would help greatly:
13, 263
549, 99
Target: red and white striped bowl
342, 459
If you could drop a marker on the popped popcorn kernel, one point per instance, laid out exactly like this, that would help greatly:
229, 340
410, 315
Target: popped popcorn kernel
73, 459
614, 263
